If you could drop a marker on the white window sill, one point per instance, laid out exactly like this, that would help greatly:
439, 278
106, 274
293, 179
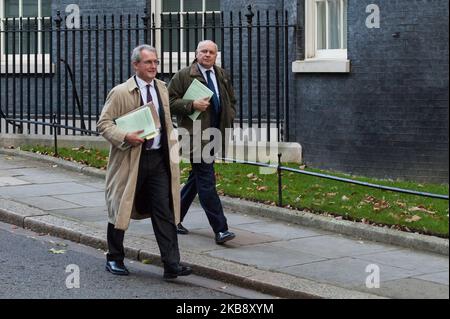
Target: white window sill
321, 66
32, 68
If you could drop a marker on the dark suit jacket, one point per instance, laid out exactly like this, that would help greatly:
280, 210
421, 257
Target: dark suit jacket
183, 108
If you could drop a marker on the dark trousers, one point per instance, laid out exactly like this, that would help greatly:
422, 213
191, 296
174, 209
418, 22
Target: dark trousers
202, 181
152, 193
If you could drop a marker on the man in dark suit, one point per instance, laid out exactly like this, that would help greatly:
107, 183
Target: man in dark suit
141, 181
216, 113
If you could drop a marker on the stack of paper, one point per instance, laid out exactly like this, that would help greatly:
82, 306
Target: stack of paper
143, 118
197, 91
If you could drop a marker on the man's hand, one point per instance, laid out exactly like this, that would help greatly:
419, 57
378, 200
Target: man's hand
134, 139
201, 105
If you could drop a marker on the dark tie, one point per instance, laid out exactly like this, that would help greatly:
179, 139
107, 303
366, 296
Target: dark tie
214, 99
149, 143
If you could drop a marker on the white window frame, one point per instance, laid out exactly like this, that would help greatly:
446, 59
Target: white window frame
32, 67
320, 61
157, 10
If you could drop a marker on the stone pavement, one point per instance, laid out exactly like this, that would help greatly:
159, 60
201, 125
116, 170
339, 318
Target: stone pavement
268, 255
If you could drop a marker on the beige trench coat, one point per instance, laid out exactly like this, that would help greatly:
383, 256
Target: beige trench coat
123, 165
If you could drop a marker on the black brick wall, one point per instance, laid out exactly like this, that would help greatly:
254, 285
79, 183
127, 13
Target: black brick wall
388, 118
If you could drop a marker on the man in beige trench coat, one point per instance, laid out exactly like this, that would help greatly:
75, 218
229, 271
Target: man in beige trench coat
143, 178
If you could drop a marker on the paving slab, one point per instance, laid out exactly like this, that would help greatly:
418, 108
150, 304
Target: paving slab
410, 288
46, 189
333, 246
243, 237
47, 203
91, 199
84, 214
439, 277
345, 272
38, 176
280, 230
265, 256
408, 259
12, 181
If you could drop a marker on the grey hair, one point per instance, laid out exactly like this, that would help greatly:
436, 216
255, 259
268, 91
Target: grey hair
136, 55
201, 43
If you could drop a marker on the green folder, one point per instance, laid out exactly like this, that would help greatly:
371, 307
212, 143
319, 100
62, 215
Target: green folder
143, 118
196, 91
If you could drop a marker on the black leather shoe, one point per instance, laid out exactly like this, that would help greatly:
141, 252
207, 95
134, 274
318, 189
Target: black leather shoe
181, 230
172, 272
223, 237
117, 268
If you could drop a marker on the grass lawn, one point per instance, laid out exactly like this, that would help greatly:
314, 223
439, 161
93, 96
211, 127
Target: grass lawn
317, 195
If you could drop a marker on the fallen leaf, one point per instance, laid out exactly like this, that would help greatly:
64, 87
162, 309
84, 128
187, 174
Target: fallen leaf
331, 194
146, 261
422, 209
401, 204
380, 205
413, 219
302, 166
56, 251
262, 188
369, 199
345, 198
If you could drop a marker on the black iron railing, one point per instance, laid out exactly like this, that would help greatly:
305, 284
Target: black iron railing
254, 49
279, 168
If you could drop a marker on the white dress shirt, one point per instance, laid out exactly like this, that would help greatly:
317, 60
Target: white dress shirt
143, 88
213, 78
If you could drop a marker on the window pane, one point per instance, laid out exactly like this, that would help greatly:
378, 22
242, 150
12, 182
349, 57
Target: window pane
171, 5
11, 8
193, 5
321, 26
212, 5
46, 6
212, 23
334, 24
45, 36
173, 21
29, 36
30, 8
13, 40
189, 33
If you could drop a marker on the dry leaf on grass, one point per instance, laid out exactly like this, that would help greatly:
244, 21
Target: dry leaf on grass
379, 205
413, 219
422, 209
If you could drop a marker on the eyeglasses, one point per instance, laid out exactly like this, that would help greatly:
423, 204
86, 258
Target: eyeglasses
150, 62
